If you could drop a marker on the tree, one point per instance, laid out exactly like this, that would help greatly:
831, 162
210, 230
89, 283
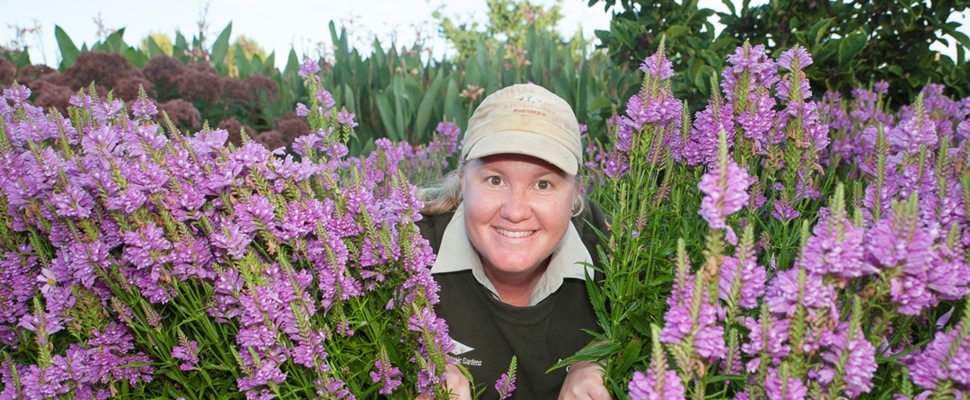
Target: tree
853, 42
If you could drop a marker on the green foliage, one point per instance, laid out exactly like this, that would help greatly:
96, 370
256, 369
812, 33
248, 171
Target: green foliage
854, 43
156, 43
398, 92
509, 22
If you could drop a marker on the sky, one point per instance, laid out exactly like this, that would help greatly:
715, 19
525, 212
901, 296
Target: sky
274, 25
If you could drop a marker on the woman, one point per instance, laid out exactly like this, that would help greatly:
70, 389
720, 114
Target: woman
510, 230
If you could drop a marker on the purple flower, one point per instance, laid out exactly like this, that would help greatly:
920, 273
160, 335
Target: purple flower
947, 357
836, 247
783, 295
776, 387
505, 385
143, 108
388, 374
73, 201
18, 94
233, 239
912, 133
189, 352
783, 211
770, 337
725, 191
903, 248
751, 277
748, 68
701, 147
697, 323
859, 368
949, 277
325, 99
346, 118
309, 67
648, 387
795, 58
658, 67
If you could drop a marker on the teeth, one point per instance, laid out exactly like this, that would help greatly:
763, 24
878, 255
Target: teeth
520, 234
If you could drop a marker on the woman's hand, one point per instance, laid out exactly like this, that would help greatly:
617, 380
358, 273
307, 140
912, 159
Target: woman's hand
584, 381
455, 381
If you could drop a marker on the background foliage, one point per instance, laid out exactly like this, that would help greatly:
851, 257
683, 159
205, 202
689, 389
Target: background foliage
855, 43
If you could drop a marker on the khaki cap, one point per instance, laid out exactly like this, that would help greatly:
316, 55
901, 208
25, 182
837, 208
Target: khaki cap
525, 119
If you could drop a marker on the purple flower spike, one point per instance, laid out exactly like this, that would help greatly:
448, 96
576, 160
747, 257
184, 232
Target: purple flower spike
645, 386
836, 247
506, 383
725, 189
388, 374
346, 118
776, 388
796, 57
309, 67
658, 67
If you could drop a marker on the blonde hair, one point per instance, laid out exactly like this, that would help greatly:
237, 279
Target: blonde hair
444, 196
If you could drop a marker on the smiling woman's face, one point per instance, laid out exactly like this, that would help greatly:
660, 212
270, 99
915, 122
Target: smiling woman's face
517, 210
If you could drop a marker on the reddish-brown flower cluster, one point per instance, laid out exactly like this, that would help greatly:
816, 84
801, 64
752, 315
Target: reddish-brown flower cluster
164, 71
180, 112
180, 91
200, 82
270, 139
7, 72
291, 126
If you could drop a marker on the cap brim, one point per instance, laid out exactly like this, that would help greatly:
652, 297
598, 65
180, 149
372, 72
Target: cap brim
526, 143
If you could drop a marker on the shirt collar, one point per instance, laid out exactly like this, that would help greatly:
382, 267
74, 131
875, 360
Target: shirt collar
456, 253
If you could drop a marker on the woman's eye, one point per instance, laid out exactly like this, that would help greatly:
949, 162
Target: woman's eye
494, 180
543, 185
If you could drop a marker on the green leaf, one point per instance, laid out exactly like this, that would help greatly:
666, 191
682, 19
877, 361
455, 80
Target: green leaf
220, 49
292, 63
631, 354
959, 36
69, 51
136, 57
850, 46
256, 65
181, 48
153, 48
349, 102
20, 58
597, 352
427, 104
400, 97
387, 115
452, 107
599, 103
819, 30
115, 43
242, 64
270, 63
676, 31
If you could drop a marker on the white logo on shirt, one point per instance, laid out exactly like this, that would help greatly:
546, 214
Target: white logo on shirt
460, 348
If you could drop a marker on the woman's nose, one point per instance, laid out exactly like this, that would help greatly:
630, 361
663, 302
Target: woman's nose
517, 207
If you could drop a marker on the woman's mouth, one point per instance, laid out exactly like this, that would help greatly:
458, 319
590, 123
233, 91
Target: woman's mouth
514, 234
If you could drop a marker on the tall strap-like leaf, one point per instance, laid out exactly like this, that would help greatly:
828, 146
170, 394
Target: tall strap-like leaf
153, 48
115, 42
427, 105
220, 49
242, 63
69, 51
